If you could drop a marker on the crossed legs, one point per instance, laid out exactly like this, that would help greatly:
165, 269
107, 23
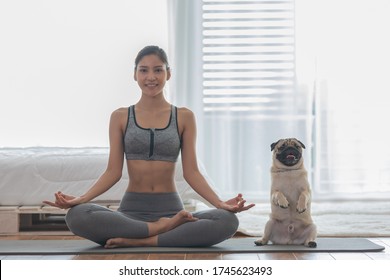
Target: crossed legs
114, 229
154, 228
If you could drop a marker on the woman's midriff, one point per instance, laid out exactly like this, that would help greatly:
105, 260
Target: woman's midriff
151, 176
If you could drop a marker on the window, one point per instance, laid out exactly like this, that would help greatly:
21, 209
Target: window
248, 55
250, 93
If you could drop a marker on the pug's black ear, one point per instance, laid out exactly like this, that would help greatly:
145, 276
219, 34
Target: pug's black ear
273, 145
303, 145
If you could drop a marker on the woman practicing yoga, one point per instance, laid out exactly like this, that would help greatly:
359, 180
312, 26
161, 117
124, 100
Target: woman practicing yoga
150, 135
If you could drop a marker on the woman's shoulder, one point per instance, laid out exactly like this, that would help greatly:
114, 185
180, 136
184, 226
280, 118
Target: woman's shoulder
120, 114
184, 111
121, 111
185, 115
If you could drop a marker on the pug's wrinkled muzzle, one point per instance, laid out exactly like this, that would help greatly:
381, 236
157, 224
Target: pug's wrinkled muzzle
289, 156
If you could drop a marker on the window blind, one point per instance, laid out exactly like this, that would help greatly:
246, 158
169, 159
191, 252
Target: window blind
249, 90
248, 56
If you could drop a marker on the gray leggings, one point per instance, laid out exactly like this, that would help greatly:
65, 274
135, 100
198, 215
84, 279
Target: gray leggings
98, 223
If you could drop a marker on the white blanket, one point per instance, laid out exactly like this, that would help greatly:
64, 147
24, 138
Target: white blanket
339, 218
334, 219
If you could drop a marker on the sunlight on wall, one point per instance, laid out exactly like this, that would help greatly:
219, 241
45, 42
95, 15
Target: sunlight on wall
66, 65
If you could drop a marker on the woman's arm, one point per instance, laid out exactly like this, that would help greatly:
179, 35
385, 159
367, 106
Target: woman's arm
191, 171
113, 172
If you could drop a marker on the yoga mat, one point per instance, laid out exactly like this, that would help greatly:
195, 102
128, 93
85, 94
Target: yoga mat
234, 245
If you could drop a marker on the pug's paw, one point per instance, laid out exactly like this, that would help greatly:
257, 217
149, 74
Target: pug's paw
260, 242
283, 203
301, 208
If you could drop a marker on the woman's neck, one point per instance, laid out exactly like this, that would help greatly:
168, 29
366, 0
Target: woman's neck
152, 103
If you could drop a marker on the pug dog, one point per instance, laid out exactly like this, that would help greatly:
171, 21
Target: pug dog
290, 220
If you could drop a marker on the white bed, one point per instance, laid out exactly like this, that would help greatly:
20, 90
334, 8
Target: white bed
31, 175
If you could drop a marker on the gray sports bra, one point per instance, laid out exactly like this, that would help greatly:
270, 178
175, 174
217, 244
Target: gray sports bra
152, 143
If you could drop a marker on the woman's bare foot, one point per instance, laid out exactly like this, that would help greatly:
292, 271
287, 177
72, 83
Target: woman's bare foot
127, 242
155, 228
167, 224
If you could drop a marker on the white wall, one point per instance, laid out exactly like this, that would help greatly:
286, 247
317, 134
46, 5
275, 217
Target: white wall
66, 65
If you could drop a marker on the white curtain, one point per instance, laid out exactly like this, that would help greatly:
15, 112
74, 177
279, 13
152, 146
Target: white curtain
185, 52
343, 48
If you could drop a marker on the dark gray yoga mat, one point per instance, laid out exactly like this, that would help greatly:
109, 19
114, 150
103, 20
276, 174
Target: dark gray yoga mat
234, 245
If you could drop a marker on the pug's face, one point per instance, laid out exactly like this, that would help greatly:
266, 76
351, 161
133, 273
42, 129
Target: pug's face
287, 151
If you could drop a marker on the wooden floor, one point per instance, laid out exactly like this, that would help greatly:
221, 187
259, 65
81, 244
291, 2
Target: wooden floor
383, 255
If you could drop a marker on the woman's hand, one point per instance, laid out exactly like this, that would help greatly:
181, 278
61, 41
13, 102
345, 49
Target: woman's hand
236, 204
63, 201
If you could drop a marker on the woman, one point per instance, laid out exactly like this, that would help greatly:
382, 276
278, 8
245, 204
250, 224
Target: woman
151, 135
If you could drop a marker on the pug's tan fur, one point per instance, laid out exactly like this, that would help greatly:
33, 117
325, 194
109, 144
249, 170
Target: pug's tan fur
290, 220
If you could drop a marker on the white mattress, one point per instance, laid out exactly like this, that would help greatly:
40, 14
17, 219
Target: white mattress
30, 175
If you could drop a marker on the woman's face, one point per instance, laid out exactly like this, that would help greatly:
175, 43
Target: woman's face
151, 74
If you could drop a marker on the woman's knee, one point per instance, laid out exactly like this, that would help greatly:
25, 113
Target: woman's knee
222, 218
225, 226
229, 220
225, 222
78, 215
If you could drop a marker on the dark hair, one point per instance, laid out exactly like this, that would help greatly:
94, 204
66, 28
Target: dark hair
148, 50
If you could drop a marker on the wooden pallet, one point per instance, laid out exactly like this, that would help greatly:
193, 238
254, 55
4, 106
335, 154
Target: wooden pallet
13, 219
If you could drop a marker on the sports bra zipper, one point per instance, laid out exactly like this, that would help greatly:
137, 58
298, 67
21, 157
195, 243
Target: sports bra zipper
151, 148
